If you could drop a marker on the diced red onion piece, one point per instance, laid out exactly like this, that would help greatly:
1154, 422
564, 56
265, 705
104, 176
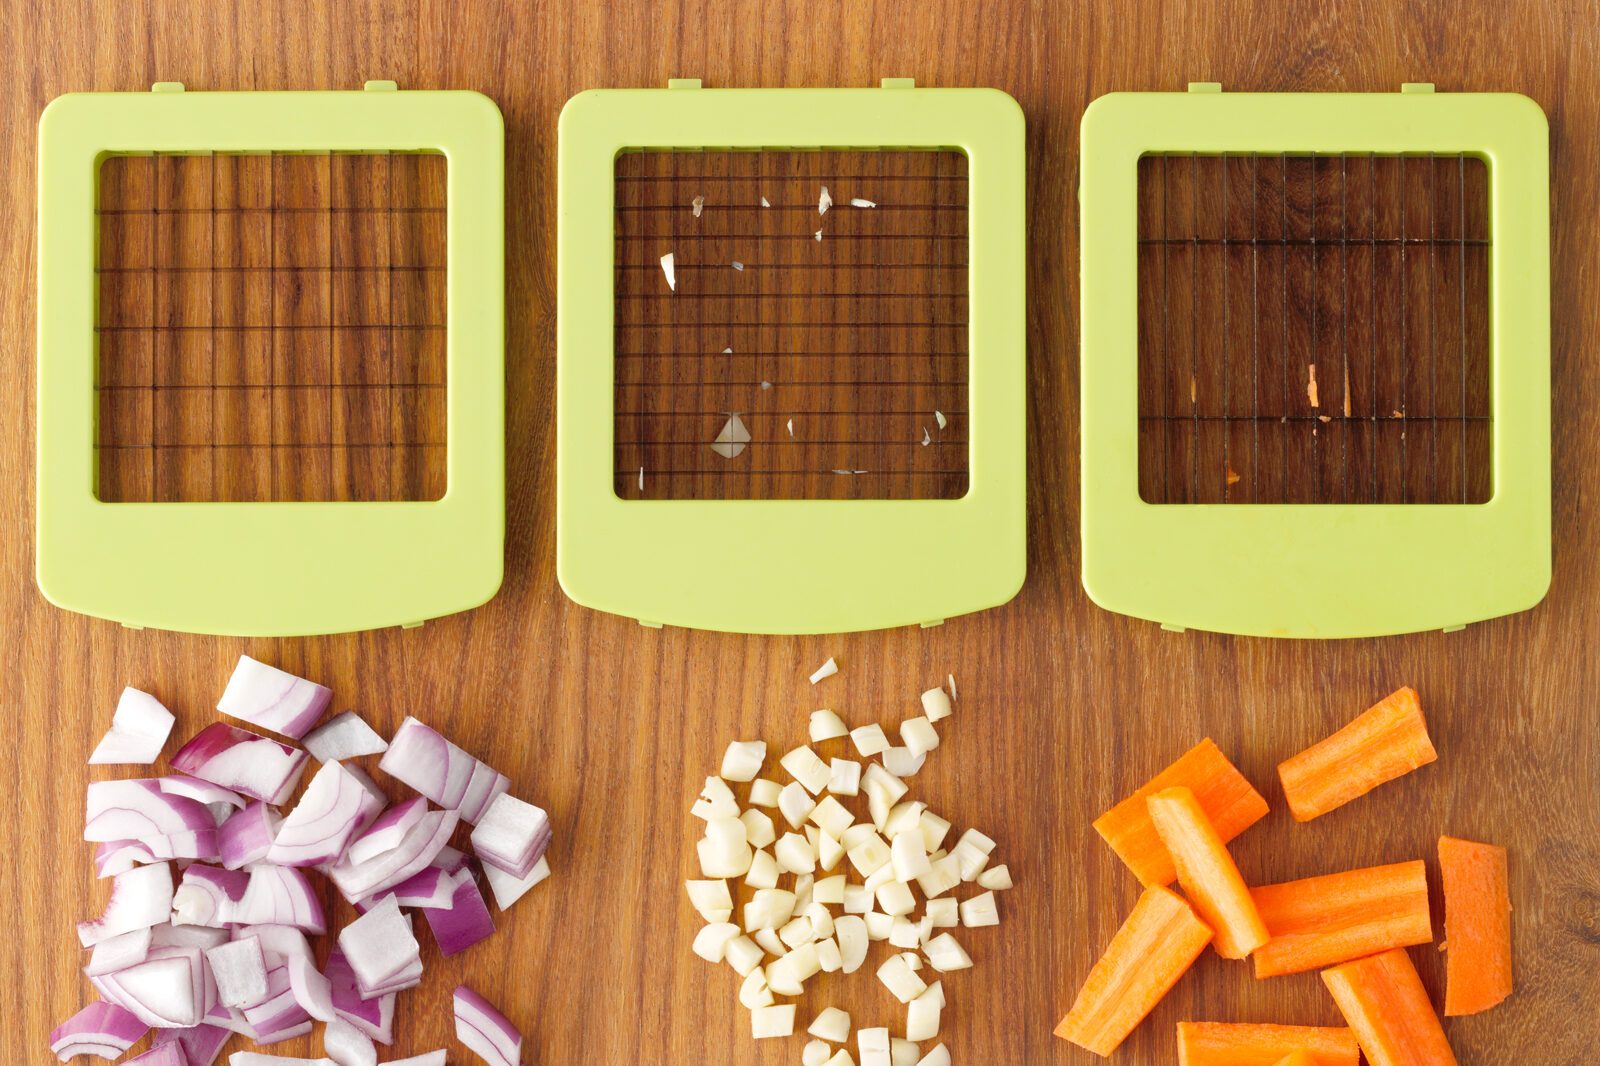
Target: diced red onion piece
101, 1029
246, 837
280, 1011
386, 832
201, 791
507, 889
246, 762
347, 1045
139, 728
187, 936
207, 894
415, 852
311, 990
161, 1055
240, 970
251, 1058
112, 857
140, 897
338, 803
267, 1039
136, 809
449, 860
410, 977
119, 952
430, 1058
273, 699
485, 1030
425, 760
201, 1045
465, 921
165, 991
283, 941
428, 887
512, 835
375, 1016
379, 945
344, 736
280, 895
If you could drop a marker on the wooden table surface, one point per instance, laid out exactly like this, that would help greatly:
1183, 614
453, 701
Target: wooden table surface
1063, 707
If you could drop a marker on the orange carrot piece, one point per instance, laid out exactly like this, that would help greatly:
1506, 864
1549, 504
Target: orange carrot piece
1297, 1058
1156, 945
1231, 802
1250, 1044
1321, 921
1386, 741
1477, 925
1207, 873
1382, 999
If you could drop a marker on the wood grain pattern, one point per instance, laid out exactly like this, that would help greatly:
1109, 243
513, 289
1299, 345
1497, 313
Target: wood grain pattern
1064, 708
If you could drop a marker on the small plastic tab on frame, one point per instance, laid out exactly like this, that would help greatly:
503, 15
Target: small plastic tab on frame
379, 87
1205, 86
683, 83
1170, 627
1416, 88
167, 87
898, 83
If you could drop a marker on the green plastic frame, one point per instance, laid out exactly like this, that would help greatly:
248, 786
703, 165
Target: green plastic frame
270, 569
1325, 570
792, 566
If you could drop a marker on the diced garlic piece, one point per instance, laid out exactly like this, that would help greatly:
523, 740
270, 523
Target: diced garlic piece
845, 777
945, 954
945, 875
870, 855
869, 739
979, 911
768, 940
824, 201
825, 725
765, 202
919, 735
934, 829
857, 899
821, 920
850, 933
840, 1058
972, 852
795, 803
764, 793
881, 876
873, 1044
936, 704
943, 913
936, 990
939, 1056
831, 1023
815, 1053
857, 833
832, 816
758, 828
827, 669
814, 835
913, 960
829, 852
803, 962
716, 801
754, 992
903, 934
896, 899
725, 852
805, 767
743, 954
902, 763
879, 926
828, 956
856, 201
904, 817
743, 759
818, 235
950, 679
938, 416
738, 265
767, 1022
711, 942
711, 898
910, 856
903, 1052
995, 877
794, 854
924, 931
829, 890
880, 778
669, 271
769, 908
899, 978
802, 892
796, 932
763, 871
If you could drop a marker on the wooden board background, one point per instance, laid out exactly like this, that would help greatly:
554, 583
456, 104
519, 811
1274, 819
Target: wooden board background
1064, 707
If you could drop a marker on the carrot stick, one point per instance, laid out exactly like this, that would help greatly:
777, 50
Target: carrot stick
1477, 925
1320, 921
1247, 1044
1297, 1058
1388, 740
1207, 873
1156, 945
1230, 801
1382, 999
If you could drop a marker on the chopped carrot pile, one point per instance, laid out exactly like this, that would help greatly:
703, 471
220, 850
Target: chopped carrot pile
1156, 945
1250, 1044
1477, 925
1298, 1058
1229, 801
1385, 742
1382, 999
1320, 921
1207, 872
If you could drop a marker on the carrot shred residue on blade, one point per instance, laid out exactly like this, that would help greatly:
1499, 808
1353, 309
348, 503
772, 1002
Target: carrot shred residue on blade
1382, 999
1156, 945
1230, 802
1477, 925
1254, 1044
1207, 873
1385, 742
1319, 921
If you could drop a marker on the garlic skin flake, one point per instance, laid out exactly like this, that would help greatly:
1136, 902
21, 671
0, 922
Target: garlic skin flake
669, 268
824, 201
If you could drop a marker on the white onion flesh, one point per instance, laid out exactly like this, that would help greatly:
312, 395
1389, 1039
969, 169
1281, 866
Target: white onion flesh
246, 762
139, 729
338, 804
344, 736
273, 699
140, 898
485, 1030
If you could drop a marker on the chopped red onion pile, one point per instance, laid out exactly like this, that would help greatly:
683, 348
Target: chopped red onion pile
214, 889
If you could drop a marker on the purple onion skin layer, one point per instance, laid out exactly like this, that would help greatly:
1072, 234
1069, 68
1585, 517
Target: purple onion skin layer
100, 1023
465, 922
168, 1054
478, 1016
201, 1045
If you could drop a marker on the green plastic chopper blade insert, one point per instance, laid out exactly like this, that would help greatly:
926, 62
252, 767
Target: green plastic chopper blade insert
270, 568
1329, 569
791, 565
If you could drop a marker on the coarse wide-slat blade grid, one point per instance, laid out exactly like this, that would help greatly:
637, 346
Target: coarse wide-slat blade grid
839, 357
271, 327
1313, 329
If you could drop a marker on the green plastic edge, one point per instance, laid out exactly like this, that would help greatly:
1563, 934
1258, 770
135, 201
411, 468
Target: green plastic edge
1317, 570
271, 569
792, 566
